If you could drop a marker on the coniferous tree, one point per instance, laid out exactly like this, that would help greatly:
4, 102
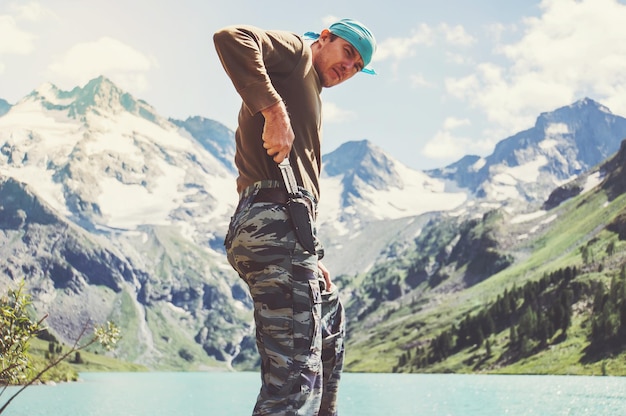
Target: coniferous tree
525, 344
489, 327
584, 252
479, 337
513, 336
528, 324
610, 248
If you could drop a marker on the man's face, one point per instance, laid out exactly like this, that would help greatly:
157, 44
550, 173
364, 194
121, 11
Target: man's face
335, 60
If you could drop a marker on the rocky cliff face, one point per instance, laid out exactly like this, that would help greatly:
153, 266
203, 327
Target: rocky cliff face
77, 277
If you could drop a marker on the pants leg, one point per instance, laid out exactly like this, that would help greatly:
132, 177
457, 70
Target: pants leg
333, 334
283, 283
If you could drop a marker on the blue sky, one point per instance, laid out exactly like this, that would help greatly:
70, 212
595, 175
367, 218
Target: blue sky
455, 77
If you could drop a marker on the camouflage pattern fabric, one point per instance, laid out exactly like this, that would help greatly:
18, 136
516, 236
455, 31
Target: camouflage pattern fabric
299, 325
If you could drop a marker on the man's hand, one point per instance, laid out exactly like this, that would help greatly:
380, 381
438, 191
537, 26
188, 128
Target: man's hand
278, 135
326, 275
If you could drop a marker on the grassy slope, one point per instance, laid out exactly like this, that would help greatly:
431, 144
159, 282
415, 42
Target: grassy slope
576, 222
68, 371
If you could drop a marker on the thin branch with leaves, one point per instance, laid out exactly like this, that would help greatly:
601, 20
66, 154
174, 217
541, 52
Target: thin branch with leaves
18, 329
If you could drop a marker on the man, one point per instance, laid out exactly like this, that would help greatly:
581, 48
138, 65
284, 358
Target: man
298, 315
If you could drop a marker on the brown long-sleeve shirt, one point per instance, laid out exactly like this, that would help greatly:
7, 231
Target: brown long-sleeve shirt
265, 67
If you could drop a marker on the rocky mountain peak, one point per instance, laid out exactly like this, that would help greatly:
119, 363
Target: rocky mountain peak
99, 95
361, 160
101, 92
213, 136
578, 113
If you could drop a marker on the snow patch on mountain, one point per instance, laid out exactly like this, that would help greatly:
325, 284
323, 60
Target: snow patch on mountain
27, 153
361, 184
556, 129
416, 195
106, 160
479, 164
521, 218
592, 181
126, 206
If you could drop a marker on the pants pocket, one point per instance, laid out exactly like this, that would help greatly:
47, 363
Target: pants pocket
288, 318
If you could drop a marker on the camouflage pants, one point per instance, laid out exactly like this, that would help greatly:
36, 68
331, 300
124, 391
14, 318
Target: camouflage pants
299, 325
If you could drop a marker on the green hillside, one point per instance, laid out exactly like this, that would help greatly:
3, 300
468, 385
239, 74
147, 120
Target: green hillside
546, 295
67, 370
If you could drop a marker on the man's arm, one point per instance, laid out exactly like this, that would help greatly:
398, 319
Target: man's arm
243, 52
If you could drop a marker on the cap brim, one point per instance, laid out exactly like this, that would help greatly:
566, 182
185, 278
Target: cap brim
369, 71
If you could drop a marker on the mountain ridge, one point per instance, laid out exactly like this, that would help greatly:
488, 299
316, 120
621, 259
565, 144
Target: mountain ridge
562, 144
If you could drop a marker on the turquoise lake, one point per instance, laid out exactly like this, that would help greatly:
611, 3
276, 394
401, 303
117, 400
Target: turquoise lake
233, 394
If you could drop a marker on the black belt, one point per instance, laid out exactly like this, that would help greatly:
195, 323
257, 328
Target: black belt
279, 196
272, 195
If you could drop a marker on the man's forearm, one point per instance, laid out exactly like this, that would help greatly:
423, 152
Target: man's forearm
278, 135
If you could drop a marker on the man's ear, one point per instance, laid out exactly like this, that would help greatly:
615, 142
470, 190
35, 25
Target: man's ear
324, 34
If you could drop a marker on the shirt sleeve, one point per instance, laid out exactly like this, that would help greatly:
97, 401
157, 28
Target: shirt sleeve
248, 54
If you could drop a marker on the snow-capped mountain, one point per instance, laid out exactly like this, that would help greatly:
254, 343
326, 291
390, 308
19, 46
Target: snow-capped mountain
134, 205
529, 165
214, 137
360, 183
108, 162
370, 202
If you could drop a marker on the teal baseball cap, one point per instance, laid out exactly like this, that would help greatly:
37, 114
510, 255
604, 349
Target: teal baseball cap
357, 35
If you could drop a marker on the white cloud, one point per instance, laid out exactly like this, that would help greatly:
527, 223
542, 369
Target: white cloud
462, 88
32, 11
456, 35
14, 40
401, 48
450, 147
458, 58
451, 123
106, 56
496, 31
444, 145
329, 20
334, 114
573, 49
418, 81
